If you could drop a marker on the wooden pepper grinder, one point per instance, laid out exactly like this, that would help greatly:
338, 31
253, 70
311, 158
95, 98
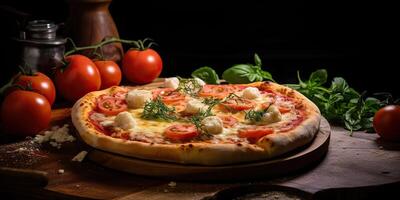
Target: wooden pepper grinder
90, 22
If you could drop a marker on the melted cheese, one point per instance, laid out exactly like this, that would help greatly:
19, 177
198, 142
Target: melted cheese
153, 130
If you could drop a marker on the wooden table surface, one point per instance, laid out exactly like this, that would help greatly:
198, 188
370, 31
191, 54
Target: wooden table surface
360, 162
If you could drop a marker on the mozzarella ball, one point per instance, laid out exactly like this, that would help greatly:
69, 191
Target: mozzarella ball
138, 98
212, 125
200, 82
251, 93
172, 82
272, 115
125, 120
194, 106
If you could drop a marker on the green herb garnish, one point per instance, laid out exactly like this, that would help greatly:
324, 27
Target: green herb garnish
189, 86
255, 115
156, 109
247, 73
211, 101
339, 103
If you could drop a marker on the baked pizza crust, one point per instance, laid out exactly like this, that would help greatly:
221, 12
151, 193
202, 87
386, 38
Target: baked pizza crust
197, 152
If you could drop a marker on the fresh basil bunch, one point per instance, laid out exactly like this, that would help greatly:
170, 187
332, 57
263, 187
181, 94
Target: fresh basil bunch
339, 103
247, 73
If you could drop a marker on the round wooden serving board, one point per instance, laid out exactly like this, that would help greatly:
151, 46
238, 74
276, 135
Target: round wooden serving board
284, 164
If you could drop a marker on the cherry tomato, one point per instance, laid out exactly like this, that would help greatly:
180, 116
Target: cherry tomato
255, 133
78, 78
218, 91
141, 66
387, 122
40, 83
111, 106
168, 95
109, 72
25, 113
228, 121
181, 132
238, 104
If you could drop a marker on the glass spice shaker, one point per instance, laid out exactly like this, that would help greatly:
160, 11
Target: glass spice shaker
42, 50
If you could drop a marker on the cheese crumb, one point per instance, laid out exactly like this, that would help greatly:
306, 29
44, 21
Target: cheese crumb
138, 98
172, 184
61, 171
56, 135
80, 156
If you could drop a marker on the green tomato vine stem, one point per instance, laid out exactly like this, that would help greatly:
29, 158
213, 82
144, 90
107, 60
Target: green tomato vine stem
139, 44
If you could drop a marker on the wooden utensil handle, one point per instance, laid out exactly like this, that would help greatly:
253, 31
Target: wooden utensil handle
22, 177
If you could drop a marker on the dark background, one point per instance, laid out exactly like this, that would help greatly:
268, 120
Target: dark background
349, 39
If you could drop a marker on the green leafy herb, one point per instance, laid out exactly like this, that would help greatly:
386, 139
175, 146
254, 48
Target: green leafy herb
339, 103
207, 74
189, 86
255, 115
157, 110
211, 101
247, 73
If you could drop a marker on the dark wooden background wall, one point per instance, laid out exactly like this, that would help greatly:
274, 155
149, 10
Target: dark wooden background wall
349, 38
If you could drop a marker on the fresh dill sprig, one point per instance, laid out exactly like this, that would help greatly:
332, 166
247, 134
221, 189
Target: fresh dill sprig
211, 101
255, 115
197, 118
156, 109
189, 86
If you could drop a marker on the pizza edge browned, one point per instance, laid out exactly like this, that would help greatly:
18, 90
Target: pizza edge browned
197, 152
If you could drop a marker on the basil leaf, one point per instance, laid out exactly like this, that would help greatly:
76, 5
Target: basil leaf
266, 75
319, 77
339, 85
207, 74
257, 60
241, 73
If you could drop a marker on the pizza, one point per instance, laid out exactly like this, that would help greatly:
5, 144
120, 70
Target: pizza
189, 122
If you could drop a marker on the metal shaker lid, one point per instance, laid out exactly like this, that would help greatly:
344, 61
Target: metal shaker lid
41, 32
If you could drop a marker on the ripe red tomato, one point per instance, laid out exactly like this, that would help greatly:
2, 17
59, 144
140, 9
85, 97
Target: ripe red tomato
40, 83
238, 104
254, 134
181, 132
141, 66
110, 73
217, 91
25, 112
78, 78
111, 105
168, 95
387, 122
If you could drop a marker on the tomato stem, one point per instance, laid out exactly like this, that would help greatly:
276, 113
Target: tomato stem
98, 46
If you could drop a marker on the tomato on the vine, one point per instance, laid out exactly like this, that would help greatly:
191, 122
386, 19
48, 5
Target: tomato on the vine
110, 73
387, 122
141, 66
79, 77
39, 83
25, 113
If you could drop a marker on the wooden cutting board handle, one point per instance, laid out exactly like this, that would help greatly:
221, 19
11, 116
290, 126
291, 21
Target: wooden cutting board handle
22, 177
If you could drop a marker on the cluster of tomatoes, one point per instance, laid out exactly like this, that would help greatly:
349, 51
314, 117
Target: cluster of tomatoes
26, 108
